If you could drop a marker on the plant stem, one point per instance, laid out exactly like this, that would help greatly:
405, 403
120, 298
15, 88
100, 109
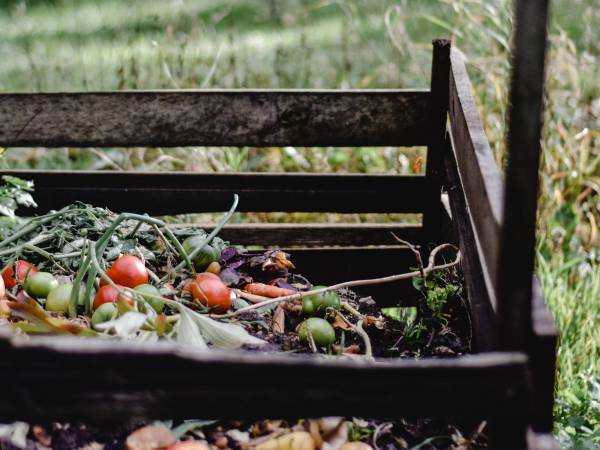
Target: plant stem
214, 232
36, 240
431, 267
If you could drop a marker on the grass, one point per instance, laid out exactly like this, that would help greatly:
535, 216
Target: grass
110, 44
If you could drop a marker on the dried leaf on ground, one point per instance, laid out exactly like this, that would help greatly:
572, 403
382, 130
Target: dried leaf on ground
278, 322
150, 437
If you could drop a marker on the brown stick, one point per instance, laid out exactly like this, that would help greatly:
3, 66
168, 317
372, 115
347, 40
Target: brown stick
347, 284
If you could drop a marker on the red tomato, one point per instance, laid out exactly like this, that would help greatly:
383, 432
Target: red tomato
211, 292
23, 269
188, 445
107, 294
127, 271
203, 275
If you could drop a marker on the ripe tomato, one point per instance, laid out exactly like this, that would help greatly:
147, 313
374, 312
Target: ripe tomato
107, 294
23, 269
208, 275
211, 292
127, 271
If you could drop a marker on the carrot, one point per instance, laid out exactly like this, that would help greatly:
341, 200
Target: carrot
266, 290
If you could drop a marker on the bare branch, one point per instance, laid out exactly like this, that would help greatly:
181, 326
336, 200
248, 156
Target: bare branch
431, 267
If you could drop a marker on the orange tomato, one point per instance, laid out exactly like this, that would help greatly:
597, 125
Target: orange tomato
211, 292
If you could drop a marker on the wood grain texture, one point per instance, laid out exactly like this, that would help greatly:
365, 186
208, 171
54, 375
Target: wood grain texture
542, 349
167, 193
215, 117
478, 172
517, 256
109, 381
479, 294
440, 71
327, 266
317, 234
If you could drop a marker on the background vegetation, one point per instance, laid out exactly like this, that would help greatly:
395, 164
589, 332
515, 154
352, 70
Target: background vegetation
137, 44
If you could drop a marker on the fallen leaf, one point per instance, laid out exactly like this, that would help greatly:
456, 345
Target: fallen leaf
92, 446
189, 445
353, 349
150, 437
338, 322
278, 322
315, 432
334, 431
417, 164
41, 435
296, 440
239, 436
378, 322
357, 445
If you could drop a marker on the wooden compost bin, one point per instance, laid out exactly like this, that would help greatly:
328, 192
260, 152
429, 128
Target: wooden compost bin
508, 381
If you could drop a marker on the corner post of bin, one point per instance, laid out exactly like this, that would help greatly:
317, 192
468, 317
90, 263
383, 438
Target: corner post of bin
440, 80
517, 245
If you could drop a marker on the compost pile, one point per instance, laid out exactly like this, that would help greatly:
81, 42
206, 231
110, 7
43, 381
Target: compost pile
86, 271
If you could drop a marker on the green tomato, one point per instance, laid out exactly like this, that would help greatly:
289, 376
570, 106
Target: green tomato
58, 299
207, 255
40, 284
104, 313
322, 332
318, 304
156, 304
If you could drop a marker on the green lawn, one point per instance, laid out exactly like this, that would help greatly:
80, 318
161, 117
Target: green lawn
138, 44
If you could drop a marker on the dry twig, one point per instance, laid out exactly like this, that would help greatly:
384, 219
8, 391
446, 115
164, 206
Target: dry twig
431, 267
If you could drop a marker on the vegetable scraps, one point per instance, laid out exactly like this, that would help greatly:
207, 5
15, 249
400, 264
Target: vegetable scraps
85, 270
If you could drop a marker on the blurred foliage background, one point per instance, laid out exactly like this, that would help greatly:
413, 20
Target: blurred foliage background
70, 45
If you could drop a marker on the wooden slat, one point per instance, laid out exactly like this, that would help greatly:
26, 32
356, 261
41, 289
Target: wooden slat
215, 117
482, 312
543, 361
478, 172
317, 234
109, 381
517, 250
334, 265
167, 193
440, 69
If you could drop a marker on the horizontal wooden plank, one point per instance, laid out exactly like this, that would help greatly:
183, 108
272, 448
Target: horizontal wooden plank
480, 177
215, 117
334, 265
318, 234
109, 381
164, 193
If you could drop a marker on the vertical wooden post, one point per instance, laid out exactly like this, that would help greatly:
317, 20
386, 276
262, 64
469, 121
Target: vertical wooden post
440, 79
517, 246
